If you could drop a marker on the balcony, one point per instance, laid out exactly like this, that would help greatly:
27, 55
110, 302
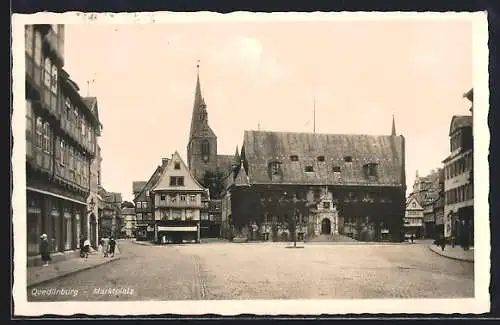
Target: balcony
178, 204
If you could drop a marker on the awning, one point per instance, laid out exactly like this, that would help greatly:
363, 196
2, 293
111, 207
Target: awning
188, 228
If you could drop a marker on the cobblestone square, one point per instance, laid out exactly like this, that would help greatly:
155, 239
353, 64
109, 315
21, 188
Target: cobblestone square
218, 271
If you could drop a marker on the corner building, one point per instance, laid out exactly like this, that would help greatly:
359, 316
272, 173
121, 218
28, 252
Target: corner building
61, 133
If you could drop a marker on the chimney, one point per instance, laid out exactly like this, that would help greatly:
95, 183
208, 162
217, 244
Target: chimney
164, 162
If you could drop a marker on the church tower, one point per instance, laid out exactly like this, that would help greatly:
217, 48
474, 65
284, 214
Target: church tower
202, 144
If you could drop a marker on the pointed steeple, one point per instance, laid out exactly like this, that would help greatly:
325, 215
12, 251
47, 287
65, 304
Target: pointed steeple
199, 118
237, 158
242, 177
393, 132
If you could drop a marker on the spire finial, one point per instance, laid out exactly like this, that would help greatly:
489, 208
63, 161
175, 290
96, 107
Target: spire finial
393, 133
198, 65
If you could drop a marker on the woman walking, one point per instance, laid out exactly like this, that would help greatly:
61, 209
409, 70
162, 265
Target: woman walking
86, 248
44, 250
112, 245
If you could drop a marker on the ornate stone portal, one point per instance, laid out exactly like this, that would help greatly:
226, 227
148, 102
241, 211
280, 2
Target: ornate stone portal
325, 218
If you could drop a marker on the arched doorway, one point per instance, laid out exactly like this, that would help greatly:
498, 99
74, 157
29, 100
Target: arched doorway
93, 228
326, 226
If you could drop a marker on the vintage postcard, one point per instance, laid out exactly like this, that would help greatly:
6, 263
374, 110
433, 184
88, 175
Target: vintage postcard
269, 164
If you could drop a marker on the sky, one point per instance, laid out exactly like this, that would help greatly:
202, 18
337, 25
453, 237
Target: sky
270, 74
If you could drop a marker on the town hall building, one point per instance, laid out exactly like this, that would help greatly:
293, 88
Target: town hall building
325, 184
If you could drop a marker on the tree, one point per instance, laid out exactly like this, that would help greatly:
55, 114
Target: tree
214, 181
127, 204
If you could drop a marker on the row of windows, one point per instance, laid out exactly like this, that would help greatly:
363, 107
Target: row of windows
176, 180
142, 205
144, 217
66, 155
33, 47
347, 159
186, 214
460, 166
172, 198
369, 170
459, 194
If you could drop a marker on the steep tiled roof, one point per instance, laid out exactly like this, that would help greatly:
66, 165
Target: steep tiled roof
262, 147
460, 121
242, 177
190, 183
152, 180
137, 186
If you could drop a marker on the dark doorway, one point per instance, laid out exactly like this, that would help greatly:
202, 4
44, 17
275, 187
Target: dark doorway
326, 227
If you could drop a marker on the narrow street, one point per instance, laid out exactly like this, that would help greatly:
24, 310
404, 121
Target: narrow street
267, 271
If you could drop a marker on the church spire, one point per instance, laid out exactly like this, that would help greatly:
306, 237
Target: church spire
393, 133
199, 118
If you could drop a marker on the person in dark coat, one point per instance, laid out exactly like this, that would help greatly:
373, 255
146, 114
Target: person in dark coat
112, 245
442, 242
44, 250
82, 248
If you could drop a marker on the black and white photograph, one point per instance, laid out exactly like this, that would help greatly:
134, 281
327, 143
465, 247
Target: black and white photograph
278, 163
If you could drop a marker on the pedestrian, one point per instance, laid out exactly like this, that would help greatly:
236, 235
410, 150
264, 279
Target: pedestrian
82, 248
86, 248
112, 245
442, 242
453, 241
105, 246
44, 250
412, 237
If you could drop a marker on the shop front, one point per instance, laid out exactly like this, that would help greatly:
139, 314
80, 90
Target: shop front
56, 216
177, 231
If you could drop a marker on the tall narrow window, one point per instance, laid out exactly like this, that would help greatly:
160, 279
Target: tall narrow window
84, 127
62, 152
46, 137
28, 39
275, 168
38, 48
53, 81
29, 120
205, 148
39, 132
47, 72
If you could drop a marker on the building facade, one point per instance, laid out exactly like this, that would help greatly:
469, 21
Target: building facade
110, 219
145, 223
414, 216
459, 180
95, 202
128, 223
177, 198
61, 135
317, 184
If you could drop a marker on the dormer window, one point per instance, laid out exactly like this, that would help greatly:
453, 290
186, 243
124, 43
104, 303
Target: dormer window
294, 158
348, 159
309, 169
370, 170
177, 165
321, 158
275, 167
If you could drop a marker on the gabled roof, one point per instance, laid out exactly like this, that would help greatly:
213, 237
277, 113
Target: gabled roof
190, 183
260, 148
459, 122
137, 186
412, 204
152, 180
242, 177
